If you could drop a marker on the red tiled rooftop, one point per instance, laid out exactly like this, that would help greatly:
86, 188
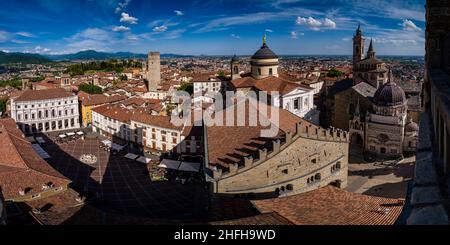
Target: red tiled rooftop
269, 84
115, 112
98, 99
46, 94
20, 166
332, 206
261, 219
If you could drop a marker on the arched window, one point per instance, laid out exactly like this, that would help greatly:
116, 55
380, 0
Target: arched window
317, 177
259, 71
236, 70
40, 114
290, 187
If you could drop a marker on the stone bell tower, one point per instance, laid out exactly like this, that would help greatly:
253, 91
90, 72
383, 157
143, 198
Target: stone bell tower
358, 47
235, 74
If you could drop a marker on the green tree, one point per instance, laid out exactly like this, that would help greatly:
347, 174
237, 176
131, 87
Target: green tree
188, 87
15, 83
90, 88
123, 78
3, 103
334, 73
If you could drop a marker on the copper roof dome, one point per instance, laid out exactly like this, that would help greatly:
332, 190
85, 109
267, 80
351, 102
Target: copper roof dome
264, 52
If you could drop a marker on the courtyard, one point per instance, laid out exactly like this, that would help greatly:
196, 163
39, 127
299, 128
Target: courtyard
382, 178
115, 184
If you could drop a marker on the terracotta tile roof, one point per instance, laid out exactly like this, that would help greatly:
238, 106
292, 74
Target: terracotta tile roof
269, 84
134, 101
333, 206
46, 94
158, 121
20, 166
229, 144
262, 219
98, 99
114, 112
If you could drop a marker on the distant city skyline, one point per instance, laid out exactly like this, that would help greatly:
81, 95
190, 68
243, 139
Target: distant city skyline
293, 27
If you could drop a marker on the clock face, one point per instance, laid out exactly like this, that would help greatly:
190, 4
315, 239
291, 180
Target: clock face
383, 138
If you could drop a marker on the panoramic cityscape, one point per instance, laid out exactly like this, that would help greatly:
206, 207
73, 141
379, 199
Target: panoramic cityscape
277, 112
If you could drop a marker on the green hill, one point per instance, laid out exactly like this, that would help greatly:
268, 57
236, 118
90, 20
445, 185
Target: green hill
8, 58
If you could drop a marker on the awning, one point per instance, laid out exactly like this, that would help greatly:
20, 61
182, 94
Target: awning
144, 160
41, 152
131, 156
189, 167
169, 164
117, 147
107, 142
40, 140
80, 133
70, 134
31, 139
62, 136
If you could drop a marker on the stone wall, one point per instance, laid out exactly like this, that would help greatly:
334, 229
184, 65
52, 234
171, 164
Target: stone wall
426, 198
342, 101
308, 160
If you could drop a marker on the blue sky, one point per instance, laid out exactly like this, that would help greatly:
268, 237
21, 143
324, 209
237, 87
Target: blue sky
211, 27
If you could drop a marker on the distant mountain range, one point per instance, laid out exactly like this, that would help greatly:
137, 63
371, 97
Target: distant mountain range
27, 58
7, 58
95, 55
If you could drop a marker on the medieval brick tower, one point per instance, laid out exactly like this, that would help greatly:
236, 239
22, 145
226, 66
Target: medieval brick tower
152, 71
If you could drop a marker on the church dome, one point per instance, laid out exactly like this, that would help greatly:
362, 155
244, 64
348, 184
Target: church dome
264, 53
412, 127
390, 94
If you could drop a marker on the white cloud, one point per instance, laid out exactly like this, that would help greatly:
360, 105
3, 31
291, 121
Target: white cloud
5, 36
224, 23
294, 35
122, 6
174, 34
269, 30
235, 36
126, 18
329, 23
120, 28
408, 25
178, 12
41, 50
315, 24
25, 34
162, 28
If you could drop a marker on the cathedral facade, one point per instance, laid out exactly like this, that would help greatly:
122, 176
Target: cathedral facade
383, 128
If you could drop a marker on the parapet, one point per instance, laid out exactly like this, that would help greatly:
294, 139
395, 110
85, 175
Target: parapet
305, 130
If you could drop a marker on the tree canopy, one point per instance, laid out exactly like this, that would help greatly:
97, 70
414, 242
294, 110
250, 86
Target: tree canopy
188, 87
334, 73
90, 88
